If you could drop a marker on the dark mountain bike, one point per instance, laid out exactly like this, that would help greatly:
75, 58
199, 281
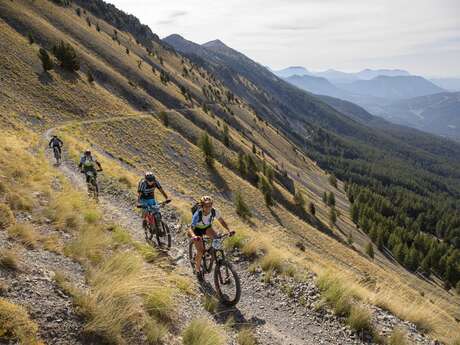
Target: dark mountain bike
226, 280
154, 225
57, 155
91, 183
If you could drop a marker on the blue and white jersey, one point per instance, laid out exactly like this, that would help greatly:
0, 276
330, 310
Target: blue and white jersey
147, 191
202, 221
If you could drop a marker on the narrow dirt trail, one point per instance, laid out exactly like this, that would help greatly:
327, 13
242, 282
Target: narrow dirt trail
276, 319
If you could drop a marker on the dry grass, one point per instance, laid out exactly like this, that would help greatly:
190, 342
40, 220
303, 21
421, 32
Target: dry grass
16, 324
202, 332
6, 216
398, 337
246, 337
209, 303
154, 331
9, 259
359, 319
160, 304
91, 244
25, 233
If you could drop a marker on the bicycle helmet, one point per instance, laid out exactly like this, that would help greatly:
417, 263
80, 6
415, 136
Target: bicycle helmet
205, 200
149, 176
88, 152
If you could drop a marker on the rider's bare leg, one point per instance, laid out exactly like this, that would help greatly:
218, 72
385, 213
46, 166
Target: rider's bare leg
199, 245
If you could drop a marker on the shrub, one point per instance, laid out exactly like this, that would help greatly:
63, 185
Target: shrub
6, 216
98, 27
78, 11
207, 147
299, 200
30, 38
266, 189
325, 197
202, 332
88, 21
332, 216
89, 77
333, 180
164, 118
242, 209
127, 51
370, 250
44, 57
246, 337
312, 208
8, 259
15, 323
331, 199
67, 56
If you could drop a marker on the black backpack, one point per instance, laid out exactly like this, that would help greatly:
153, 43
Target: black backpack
197, 207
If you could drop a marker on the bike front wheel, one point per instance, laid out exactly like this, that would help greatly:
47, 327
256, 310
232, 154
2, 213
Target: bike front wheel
227, 283
207, 260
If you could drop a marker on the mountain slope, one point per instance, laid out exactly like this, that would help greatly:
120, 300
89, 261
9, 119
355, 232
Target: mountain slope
392, 87
149, 110
438, 113
317, 85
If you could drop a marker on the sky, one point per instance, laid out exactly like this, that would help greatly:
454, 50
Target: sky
421, 36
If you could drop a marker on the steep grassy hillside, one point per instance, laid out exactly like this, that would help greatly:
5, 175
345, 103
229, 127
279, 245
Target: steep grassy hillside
150, 109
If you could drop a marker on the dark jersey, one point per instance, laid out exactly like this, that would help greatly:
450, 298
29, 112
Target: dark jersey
147, 191
55, 142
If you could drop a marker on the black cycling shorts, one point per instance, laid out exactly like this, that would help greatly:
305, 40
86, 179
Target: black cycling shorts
200, 232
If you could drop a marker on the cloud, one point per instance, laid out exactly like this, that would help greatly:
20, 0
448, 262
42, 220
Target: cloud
291, 27
172, 17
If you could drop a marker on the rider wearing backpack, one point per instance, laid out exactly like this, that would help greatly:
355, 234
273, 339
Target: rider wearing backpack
203, 216
56, 142
88, 163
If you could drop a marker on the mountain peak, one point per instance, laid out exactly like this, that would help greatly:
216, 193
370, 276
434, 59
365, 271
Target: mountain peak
215, 44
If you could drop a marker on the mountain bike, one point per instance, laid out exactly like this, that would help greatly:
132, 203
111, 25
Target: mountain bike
91, 184
154, 225
57, 154
226, 280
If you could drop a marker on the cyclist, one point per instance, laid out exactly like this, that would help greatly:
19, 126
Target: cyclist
88, 163
202, 225
146, 190
56, 142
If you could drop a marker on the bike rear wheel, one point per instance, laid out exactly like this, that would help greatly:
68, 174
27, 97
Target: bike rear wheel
163, 235
57, 155
227, 283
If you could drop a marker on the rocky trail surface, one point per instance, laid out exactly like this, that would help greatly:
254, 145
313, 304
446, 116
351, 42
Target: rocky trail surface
276, 318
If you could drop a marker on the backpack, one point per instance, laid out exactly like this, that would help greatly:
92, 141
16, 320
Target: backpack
196, 207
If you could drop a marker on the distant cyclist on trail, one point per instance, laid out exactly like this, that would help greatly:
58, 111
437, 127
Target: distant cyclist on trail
56, 142
146, 190
89, 164
202, 219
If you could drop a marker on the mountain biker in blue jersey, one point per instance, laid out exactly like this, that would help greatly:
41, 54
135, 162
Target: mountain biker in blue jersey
56, 142
146, 190
202, 225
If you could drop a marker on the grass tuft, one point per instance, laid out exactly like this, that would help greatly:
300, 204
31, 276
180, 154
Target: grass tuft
9, 259
202, 332
146, 251
360, 319
154, 331
90, 245
246, 337
15, 323
398, 337
24, 233
160, 304
6, 216
210, 303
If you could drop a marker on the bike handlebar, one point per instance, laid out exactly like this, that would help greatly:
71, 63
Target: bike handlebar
160, 204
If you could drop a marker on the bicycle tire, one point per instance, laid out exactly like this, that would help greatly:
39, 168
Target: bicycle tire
167, 235
219, 282
207, 261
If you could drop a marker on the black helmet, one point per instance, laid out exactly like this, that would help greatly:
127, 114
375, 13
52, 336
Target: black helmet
88, 152
149, 176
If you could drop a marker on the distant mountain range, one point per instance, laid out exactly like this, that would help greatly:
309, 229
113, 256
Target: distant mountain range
394, 95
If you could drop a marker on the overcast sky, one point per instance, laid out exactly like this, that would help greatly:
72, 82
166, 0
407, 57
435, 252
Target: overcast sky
421, 36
